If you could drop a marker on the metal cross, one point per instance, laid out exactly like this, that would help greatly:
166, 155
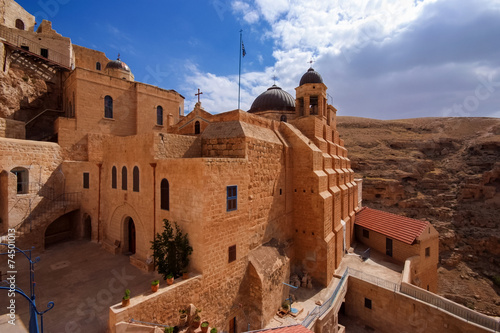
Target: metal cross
274, 78
311, 62
198, 94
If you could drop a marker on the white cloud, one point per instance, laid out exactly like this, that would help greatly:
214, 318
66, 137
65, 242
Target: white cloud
379, 58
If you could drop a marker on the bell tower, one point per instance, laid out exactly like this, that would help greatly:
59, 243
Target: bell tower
311, 95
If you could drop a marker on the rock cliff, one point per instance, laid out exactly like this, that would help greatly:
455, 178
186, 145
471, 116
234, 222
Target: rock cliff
446, 171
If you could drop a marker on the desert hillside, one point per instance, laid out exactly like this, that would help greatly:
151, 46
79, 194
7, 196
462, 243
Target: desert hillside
446, 171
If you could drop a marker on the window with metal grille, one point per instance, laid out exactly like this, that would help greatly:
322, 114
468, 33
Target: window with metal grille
98, 66
159, 115
368, 303
232, 198
44, 53
108, 107
86, 180
113, 177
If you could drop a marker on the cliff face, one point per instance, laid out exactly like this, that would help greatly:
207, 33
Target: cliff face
446, 171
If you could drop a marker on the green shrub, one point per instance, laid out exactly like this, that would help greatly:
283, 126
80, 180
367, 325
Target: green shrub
496, 280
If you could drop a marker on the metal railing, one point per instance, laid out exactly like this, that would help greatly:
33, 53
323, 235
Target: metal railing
46, 208
318, 311
34, 47
374, 280
451, 307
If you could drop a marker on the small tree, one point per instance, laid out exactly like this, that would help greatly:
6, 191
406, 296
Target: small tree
171, 250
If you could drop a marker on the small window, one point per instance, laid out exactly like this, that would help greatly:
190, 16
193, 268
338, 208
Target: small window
232, 253
22, 178
19, 24
108, 107
98, 66
25, 47
86, 180
135, 179
44, 53
366, 233
368, 303
113, 177
124, 178
197, 127
165, 194
159, 115
283, 118
427, 251
232, 198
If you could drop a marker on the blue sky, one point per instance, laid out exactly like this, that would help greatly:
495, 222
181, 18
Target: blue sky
379, 58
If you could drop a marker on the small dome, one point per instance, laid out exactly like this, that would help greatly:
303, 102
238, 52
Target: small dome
118, 64
311, 76
273, 99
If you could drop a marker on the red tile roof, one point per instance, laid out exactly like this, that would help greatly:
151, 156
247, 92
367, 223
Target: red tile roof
394, 226
287, 329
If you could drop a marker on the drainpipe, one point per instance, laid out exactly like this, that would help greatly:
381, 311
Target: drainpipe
153, 165
99, 165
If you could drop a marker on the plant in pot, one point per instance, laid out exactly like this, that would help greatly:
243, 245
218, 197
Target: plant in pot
170, 279
185, 274
182, 317
126, 298
285, 306
204, 326
196, 320
169, 329
213, 330
155, 285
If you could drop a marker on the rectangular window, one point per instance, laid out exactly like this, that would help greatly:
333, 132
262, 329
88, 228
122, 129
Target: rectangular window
232, 253
232, 198
427, 251
366, 233
44, 53
368, 303
86, 180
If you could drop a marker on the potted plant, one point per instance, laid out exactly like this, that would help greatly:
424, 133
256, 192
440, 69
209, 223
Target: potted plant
170, 279
126, 298
169, 329
185, 274
196, 320
155, 285
183, 317
213, 330
204, 326
285, 306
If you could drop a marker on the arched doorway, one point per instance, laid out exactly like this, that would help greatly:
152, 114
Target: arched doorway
131, 236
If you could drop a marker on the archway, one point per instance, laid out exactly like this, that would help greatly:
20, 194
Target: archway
63, 229
130, 236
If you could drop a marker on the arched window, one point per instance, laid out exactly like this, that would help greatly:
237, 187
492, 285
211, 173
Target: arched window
98, 66
165, 194
283, 118
108, 107
135, 179
19, 24
197, 127
124, 178
159, 115
113, 177
22, 176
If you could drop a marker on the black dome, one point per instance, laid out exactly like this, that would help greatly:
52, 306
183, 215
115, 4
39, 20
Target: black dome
273, 99
118, 64
311, 76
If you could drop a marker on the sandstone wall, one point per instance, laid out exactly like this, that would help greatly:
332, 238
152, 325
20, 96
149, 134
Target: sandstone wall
40, 160
395, 312
12, 129
10, 11
87, 58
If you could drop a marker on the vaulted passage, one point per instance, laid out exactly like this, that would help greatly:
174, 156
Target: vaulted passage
63, 229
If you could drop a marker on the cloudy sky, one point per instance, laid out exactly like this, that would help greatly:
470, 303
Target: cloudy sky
379, 58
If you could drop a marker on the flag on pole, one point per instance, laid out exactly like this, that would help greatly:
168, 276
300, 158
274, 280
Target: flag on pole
243, 48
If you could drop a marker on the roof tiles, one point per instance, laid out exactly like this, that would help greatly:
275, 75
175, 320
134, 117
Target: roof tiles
394, 226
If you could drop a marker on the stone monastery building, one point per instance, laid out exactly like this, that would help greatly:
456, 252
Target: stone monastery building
262, 193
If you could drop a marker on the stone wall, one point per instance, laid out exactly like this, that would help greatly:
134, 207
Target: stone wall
87, 58
12, 129
40, 160
395, 312
10, 11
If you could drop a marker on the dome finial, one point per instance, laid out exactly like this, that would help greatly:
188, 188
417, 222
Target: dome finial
118, 57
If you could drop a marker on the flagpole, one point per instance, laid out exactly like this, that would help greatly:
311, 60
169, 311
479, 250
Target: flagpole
239, 72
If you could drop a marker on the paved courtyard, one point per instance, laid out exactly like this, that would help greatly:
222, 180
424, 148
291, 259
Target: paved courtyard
82, 280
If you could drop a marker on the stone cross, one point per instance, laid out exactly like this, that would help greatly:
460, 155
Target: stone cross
198, 94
